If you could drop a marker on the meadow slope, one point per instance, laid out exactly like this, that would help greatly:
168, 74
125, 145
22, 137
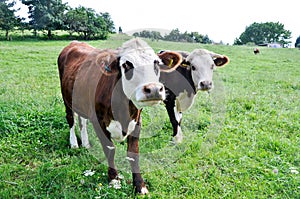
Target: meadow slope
241, 141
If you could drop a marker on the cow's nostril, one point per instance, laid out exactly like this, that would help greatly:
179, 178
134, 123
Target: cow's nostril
147, 90
161, 89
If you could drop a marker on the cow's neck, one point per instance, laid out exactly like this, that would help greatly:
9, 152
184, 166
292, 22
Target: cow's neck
187, 73
122, 109
178, 81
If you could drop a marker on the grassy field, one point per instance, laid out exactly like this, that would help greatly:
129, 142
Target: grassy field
241, 141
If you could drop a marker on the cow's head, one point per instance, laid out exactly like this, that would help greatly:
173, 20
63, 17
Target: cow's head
140, 71
202, 63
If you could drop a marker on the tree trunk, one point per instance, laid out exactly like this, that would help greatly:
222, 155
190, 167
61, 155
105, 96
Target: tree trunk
6, 35
49, 34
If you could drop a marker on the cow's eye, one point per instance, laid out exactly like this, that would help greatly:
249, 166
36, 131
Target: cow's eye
128, 69
193, 68
156, 67
127, 66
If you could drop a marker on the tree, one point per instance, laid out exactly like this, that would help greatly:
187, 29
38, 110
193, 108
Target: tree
297, 44
120, 30
260, 33
174, 35
206, 40
86, 22
8, 20
46, 14
109, 22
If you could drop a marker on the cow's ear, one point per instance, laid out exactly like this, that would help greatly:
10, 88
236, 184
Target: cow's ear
220, 60
171, 60
108, 63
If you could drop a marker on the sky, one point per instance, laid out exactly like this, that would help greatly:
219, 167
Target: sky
221, 20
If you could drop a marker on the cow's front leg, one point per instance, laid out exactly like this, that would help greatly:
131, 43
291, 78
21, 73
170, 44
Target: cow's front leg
133, 158
109, 151
178, 137
175, 119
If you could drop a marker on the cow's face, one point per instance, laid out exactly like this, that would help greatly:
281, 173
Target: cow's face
140, 70
202, 63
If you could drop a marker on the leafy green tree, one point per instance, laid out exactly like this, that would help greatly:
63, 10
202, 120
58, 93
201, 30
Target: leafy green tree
110, 27
206, 40
174, 35
8, 20
268, 32
297, 44
89, 24
46, 14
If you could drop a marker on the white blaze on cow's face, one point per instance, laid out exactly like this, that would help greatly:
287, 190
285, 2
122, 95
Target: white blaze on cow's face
140, 74
202, 63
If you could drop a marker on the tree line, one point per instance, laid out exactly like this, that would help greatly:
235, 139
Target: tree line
51, 15
175, 35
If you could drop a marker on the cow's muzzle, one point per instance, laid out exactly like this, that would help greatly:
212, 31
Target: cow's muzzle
154, 92
205, 85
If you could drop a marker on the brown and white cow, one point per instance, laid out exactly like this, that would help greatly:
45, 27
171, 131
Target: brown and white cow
110, 87
194, 74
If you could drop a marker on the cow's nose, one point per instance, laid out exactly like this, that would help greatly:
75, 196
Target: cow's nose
205, 85
154, 91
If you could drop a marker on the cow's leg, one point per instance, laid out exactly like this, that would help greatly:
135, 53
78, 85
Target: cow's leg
175, 119
109, 151
178, 137
133, 158
72, 124
83, 132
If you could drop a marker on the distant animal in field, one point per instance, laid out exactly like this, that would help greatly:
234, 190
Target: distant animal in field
256, 51
194, 74
110, 88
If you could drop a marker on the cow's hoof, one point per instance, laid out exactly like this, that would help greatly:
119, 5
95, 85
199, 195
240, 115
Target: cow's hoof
144, 191
87, 146
177, 139
74, 146
116, 184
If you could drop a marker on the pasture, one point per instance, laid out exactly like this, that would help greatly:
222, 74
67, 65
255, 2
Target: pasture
240, 141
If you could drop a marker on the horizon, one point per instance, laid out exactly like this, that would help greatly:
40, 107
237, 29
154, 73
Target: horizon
212, 22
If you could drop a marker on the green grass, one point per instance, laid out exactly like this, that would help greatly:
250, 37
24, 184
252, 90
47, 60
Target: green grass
241, 141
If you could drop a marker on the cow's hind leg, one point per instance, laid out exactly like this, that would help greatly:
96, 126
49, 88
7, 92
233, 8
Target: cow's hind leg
72, 124
83, 132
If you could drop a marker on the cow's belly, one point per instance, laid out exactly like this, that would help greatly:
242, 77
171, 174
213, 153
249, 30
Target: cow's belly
184, 101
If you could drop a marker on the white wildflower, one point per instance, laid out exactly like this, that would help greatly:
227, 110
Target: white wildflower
88, 173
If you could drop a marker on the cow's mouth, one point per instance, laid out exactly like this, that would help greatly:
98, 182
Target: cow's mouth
150, 102
204, 89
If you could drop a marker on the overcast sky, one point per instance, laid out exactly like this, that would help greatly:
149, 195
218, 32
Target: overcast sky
219, 19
